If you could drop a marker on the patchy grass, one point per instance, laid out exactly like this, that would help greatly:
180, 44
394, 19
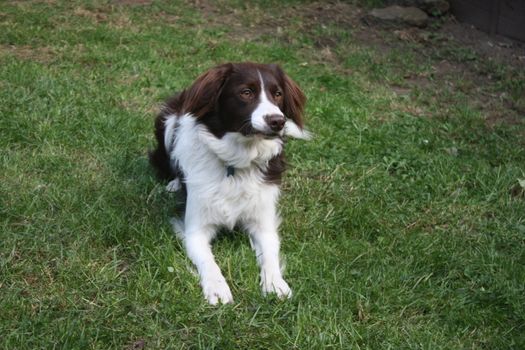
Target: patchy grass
404, 220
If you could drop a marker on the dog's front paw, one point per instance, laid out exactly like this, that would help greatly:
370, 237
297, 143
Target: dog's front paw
216, 290
173, 185
276, 285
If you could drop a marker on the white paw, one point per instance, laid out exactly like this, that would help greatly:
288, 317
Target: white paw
216, 290
173, 185
276, 285
178, 227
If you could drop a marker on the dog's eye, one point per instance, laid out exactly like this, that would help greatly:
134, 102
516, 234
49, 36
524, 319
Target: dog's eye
278, 93
247, 93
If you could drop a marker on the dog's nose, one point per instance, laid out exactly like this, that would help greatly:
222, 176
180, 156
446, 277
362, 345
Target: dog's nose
275, 121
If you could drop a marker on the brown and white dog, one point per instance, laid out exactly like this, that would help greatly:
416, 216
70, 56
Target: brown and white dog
221, 141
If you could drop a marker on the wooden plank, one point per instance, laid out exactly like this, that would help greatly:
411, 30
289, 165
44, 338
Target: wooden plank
511, 21
505, 17
477, 13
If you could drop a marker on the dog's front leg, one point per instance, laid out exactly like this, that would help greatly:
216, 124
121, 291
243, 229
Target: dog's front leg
198, 247
265, 242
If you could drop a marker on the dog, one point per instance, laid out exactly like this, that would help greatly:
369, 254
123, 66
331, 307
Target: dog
221, 143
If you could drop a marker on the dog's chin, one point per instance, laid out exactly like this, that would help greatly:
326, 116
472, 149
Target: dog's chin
272, 136
265, 134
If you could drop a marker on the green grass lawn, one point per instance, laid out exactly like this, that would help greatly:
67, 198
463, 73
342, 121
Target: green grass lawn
403, 219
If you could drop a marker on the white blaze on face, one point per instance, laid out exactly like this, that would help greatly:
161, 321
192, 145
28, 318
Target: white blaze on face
264, 108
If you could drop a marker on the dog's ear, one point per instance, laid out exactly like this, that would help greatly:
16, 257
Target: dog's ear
202, 96
294, 99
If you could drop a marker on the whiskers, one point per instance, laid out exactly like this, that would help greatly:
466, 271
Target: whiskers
246, 128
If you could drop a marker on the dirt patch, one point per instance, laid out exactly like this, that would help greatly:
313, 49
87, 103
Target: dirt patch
495, 47
109, 15
133, 2
137, 345
252, 22
27, 3
497, 117
28, 53
342, 15
464, 61
96, 16
167, 18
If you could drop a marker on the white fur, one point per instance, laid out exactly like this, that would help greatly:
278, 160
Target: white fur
216, 200
293, 130
169, 134
173, 185
264, 108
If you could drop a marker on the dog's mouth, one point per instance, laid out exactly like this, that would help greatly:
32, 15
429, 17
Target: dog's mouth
247, 129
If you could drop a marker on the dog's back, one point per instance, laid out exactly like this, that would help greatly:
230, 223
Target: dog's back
160, 157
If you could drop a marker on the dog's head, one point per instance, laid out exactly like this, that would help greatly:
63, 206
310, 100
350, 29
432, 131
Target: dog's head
250, 98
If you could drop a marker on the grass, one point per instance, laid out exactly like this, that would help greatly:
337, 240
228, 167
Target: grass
404, 221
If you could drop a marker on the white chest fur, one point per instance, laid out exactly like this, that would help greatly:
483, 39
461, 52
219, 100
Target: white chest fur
216, 198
